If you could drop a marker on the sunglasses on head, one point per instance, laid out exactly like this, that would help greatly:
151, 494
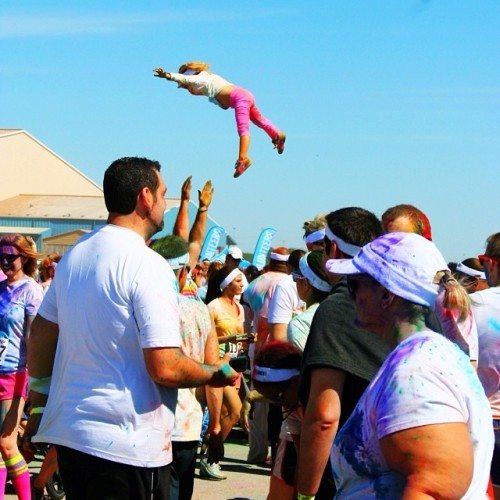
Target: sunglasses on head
485, 259
9, 257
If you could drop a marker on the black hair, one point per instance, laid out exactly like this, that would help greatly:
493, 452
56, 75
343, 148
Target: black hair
123, 181
214, 282
354, 225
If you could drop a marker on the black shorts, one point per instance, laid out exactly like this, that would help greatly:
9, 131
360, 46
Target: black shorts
495, 463
86, 477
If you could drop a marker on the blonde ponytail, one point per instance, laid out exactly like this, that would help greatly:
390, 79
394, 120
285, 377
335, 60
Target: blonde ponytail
196, 66
454, 295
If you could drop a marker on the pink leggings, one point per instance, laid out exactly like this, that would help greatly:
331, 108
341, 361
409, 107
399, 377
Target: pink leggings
243, 103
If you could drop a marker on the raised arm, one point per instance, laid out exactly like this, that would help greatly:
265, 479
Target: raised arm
181, 224
197, 233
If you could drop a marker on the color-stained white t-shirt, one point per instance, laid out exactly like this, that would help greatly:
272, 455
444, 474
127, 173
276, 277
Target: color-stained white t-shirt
195, 328
111, 297
298, 328
285, 302
426, 380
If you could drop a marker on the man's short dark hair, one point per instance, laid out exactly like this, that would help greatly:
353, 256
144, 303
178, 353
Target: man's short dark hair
123, 181
354, 225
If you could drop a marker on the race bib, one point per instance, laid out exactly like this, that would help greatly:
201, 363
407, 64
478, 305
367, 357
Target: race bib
4, 342
233, 349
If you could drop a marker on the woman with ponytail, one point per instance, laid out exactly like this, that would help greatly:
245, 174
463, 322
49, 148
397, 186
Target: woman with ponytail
423, 426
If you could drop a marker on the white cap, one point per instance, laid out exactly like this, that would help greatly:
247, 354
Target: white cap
404, 263
235, 252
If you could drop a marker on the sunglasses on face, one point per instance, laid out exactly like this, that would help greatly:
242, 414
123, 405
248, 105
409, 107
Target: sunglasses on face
485, 259
354, 282
9, 257
327, 245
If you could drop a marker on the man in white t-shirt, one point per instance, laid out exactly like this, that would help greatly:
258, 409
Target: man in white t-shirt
104, 352
486, 307
284, 303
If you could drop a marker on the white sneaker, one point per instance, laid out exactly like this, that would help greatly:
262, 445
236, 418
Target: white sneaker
211, 471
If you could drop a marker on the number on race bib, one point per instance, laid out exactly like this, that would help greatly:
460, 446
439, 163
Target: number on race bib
4, 342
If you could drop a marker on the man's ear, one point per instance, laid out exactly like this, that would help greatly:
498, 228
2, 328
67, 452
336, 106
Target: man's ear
387, 299
335, 252
146, 198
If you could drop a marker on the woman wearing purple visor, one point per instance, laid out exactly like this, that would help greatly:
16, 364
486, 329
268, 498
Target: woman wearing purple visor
423, 426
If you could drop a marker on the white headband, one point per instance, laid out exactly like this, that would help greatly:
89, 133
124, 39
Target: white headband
177, 262
279, 257
316, 236
345, 247
230, 277
471, 272
266, 374
189, 72
311, 276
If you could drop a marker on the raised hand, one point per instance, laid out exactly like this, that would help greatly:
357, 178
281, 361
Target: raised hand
205, 195
186, 189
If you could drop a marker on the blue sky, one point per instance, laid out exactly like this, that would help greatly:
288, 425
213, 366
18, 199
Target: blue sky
383, 102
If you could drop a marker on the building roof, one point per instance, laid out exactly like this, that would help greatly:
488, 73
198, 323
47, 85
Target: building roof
23, 230
28, 166
59, 207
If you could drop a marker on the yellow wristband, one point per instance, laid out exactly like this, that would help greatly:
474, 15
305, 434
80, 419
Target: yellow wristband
301, 496
204, 209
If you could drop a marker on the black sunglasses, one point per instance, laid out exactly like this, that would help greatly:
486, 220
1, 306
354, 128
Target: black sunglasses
354, 281
9, 257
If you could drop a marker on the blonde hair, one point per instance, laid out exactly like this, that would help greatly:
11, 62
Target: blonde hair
25, 249
455, 296
311, 226
196, 66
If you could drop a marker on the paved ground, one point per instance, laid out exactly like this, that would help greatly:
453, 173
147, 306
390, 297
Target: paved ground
244, 481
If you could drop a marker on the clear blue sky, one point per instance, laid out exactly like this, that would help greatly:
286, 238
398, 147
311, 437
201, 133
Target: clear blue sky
383, 101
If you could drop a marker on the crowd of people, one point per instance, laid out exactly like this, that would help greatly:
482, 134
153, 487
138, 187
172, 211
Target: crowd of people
373, 363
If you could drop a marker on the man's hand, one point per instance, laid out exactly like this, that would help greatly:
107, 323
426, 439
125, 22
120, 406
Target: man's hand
161, 74
246, 408
205, 195
224, 375
186, 189
31, 429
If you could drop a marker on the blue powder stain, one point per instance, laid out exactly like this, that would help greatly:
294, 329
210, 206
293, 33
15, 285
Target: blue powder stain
494, 324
